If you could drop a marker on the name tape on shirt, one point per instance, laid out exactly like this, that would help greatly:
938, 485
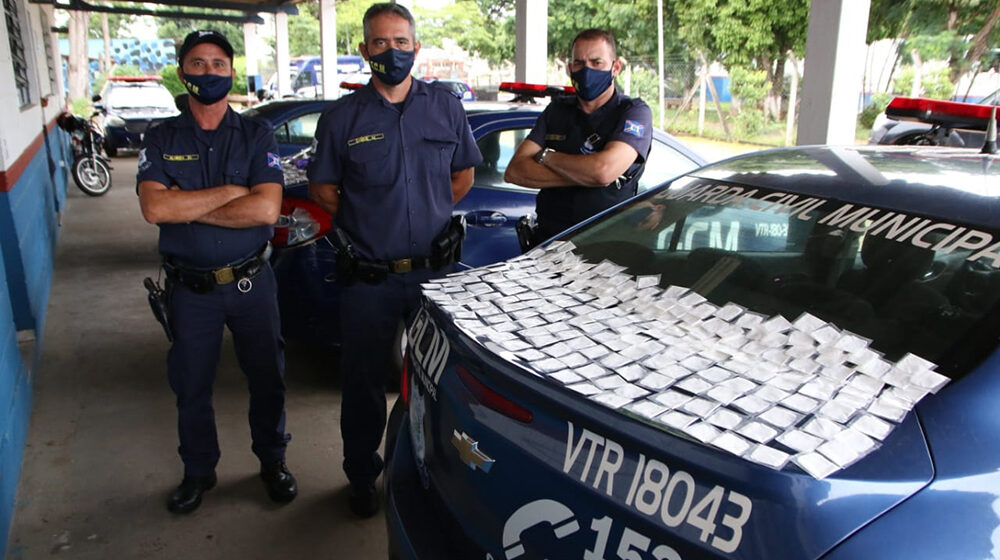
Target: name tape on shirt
366, 138
634, 128
180, 157
555, 137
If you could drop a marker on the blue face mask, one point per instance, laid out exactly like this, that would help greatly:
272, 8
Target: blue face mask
207, 88
591, 83
392, 66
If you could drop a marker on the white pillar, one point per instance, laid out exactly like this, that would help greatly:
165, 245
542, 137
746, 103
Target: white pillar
531, 54
252, 50
281, 56
834, 70
328, 48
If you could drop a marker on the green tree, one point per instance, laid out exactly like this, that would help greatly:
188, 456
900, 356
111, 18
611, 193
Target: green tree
177, 29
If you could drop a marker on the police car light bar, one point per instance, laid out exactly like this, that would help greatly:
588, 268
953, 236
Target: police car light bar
135, 78
351, 85
948, 114
300, 222
522, 89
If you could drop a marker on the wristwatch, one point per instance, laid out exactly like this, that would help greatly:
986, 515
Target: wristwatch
542, 154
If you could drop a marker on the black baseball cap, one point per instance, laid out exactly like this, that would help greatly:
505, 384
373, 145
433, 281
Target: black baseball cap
204, 36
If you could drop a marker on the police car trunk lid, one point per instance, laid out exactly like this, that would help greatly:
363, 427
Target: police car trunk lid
584, 480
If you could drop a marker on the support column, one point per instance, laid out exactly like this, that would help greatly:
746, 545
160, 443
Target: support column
531, 54
328, 48
832, 80
252, 51
281, 56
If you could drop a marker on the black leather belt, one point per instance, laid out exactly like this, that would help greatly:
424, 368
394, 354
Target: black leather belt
200, 280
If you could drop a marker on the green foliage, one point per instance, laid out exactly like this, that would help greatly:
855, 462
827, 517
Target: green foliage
240, 80
633, 23
81, 107
935, 84
303, 32
177, 29
171, 80
481, 33
750, 87
875, 107
127, 70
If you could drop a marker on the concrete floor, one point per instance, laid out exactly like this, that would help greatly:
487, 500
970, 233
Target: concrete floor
101, 454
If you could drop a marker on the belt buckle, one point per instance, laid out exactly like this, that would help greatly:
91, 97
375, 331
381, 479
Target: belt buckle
224, 275
402, 266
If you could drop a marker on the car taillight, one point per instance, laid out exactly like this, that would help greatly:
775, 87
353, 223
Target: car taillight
404, 381
301, 221
492, 399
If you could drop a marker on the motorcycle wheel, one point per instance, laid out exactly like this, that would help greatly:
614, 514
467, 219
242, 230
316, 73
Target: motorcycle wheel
92, 175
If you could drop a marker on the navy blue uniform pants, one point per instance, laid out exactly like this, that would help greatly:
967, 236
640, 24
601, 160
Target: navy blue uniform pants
369, 316
198, 320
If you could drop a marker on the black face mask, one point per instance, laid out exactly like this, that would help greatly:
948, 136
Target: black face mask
392, 66
207, 88
591, 83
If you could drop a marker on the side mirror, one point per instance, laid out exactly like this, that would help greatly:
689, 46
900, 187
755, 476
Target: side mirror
96, 98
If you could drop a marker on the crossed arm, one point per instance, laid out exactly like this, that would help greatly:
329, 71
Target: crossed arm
326, 194
561, 170
231, 206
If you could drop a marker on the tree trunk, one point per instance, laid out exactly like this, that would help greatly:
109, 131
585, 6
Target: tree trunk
775, 96
78, 71
792, 99
979, 40
918, 78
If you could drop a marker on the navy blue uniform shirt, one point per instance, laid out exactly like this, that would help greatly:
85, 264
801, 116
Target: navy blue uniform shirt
393, 167
241, 151
564, 127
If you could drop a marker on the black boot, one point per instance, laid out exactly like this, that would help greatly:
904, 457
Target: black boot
280, 483
187, 497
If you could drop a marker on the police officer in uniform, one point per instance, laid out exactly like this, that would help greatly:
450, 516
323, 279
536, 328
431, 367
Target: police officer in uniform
391, 160
211, 180
586, 152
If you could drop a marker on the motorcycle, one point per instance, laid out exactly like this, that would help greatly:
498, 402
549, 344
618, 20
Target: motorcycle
91, 167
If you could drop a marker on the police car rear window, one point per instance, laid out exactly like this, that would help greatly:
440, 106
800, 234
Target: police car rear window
910, 284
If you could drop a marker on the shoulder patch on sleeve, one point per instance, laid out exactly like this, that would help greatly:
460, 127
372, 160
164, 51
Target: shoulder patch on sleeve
634, 128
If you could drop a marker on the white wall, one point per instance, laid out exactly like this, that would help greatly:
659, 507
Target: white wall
23, 125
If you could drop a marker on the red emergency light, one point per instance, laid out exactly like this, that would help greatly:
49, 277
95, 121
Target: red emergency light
300, 222
351, 85
535, 90
947, 114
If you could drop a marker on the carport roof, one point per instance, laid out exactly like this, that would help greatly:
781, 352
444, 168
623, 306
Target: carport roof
165, 8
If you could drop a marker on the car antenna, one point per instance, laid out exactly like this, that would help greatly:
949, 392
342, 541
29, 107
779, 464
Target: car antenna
990, 146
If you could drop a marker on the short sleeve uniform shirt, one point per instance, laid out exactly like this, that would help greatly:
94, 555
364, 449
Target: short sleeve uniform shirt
393, 165
241, 151
564, 127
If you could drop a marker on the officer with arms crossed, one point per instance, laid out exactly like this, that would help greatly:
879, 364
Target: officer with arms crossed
586, 152
211, 180
391, 160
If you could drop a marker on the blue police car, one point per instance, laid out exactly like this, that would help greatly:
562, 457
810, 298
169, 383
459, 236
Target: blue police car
788, 354
306, 270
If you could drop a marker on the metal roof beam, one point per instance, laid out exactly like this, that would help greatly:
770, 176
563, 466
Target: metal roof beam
79, 5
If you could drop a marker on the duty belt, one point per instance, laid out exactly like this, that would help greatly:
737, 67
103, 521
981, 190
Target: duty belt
201, 280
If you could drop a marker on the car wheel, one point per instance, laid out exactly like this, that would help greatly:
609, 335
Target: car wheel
917, 139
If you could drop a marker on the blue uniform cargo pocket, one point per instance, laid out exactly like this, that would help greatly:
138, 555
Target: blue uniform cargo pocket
181, 173
370, 165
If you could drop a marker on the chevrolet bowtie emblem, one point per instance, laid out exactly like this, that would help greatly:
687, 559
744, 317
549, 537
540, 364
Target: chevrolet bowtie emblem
469, 453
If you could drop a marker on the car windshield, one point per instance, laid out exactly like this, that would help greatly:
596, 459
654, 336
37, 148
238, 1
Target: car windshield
909, 284
134, 97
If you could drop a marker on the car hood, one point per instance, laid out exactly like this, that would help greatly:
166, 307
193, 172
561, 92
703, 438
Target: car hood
133, 113
794, 503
